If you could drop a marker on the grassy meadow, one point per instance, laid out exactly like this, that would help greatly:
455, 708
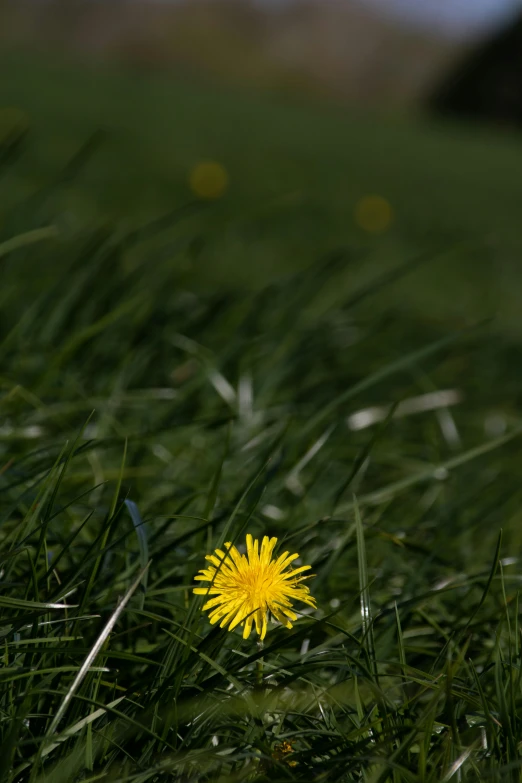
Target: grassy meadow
177, 372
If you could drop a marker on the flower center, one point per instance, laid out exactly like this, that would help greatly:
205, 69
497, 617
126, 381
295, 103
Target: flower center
255, 588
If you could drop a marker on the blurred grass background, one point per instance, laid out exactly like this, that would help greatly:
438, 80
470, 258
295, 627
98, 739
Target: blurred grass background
445, 185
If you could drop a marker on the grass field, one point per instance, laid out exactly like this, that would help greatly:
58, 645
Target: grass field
177, 373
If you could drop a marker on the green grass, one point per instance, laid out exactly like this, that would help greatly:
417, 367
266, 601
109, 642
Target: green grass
171, 370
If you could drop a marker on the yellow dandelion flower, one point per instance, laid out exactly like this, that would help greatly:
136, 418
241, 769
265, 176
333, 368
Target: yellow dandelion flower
246, 588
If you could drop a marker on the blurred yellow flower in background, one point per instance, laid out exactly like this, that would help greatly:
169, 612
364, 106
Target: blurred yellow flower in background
373, 214
246, 588
208, 179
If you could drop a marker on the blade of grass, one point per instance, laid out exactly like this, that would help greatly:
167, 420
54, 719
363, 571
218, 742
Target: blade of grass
141, 532
403, 363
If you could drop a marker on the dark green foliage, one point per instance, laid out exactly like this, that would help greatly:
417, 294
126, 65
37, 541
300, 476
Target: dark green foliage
147, 415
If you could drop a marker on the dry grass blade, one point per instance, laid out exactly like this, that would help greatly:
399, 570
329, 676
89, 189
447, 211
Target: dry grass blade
89, 660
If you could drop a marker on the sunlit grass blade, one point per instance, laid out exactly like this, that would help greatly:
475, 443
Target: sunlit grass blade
380, 375
86, 665
364, 590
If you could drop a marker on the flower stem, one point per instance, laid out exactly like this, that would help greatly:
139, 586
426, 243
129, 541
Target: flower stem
259, 667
